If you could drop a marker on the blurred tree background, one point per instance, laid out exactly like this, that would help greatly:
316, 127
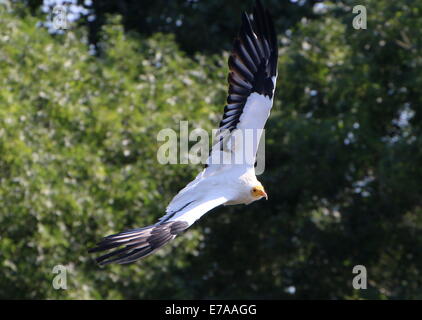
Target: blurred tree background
80, 111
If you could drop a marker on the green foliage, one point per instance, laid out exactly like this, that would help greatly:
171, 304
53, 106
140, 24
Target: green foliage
78, 161
197, 25
78, 154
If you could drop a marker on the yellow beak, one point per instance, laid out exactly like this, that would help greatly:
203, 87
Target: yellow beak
263, 193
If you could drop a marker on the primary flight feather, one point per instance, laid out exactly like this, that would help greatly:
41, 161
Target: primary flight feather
252, 80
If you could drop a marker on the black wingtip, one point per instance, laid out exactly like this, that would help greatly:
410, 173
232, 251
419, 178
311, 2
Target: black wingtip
252, 63
135, 244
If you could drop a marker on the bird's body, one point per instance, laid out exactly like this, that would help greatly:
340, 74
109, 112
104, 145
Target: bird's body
242, 184
229, 177
234, 183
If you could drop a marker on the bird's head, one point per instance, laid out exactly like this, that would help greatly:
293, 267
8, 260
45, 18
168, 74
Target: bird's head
258, 192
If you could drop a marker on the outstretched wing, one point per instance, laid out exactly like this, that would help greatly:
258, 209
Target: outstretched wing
252, 77
252, 80
131, 245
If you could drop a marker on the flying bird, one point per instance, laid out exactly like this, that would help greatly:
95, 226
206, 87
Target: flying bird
252, 79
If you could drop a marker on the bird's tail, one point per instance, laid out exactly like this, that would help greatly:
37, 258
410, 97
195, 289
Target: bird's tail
137, 243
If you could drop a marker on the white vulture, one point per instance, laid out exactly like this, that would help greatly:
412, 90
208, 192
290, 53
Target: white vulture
252, 80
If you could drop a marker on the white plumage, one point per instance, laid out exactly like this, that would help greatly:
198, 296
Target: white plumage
224, 181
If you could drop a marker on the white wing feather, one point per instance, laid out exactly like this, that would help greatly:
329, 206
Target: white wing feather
252, 79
